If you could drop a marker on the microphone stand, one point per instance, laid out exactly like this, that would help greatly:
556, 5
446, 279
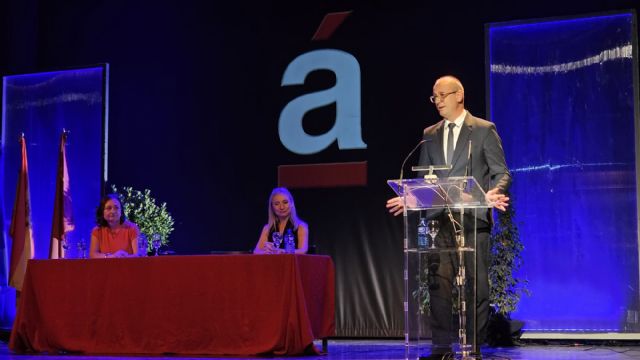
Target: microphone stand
461, 278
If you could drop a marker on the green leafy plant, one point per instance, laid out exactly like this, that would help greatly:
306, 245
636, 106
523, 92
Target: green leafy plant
506, 259
422, 292
141, 208
506, 248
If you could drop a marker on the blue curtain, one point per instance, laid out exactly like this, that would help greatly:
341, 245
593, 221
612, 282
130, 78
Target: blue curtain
562, 97
40, 106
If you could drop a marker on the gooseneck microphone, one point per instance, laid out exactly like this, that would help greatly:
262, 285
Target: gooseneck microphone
408, 156
466, 170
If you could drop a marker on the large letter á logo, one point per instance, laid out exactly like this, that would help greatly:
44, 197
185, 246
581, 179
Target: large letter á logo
345, 93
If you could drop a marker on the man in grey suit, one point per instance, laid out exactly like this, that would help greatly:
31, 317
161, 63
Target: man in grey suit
448, 142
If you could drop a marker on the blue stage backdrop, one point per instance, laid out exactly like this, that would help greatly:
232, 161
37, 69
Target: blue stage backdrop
40, 106
562, 96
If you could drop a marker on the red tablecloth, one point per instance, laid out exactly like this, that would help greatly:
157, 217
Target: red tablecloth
216, 304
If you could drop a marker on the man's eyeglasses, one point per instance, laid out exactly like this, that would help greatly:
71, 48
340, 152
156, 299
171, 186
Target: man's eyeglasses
441, 97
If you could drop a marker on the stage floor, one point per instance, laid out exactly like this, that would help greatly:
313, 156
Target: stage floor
394, 350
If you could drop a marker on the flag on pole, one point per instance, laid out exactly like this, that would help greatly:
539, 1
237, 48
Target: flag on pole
21, 230
62, 219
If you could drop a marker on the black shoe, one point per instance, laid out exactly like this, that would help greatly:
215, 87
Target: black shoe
438, 354
445, 356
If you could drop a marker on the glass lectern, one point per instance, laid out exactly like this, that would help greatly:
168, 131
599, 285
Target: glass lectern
462, 200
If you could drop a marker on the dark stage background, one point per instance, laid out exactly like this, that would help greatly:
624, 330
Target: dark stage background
195, 98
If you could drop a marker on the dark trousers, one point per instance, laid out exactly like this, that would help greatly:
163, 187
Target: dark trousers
443, 268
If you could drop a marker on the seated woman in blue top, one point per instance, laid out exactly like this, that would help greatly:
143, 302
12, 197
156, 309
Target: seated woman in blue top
282, 216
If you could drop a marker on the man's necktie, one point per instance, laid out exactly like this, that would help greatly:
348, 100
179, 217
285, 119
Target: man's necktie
450, 144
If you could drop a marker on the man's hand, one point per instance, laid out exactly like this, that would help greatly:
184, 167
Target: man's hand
499, 201
395, 206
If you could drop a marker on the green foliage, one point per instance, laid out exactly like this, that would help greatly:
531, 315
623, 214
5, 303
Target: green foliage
141, 208
422, 292
506, 247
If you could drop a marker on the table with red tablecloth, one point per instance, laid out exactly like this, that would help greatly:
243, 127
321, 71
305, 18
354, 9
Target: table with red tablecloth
210, 304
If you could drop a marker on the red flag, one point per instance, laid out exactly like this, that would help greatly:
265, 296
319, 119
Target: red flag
62, 219
21, 230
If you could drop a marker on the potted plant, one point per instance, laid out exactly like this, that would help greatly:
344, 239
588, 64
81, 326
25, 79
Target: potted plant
141, 208
505, 244
505, 288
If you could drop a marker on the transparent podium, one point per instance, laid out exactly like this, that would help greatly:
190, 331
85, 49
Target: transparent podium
453, 203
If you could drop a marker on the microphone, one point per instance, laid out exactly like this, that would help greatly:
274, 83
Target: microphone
408, 156
466, 170
460, 233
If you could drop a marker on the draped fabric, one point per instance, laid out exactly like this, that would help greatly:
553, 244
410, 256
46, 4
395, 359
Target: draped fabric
62, 210
563, 98
365, 243
222, 304
21, 230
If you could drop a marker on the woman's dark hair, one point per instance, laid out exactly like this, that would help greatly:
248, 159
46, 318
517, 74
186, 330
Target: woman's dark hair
100, 212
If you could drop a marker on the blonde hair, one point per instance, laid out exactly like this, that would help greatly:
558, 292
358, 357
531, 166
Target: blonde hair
293, 215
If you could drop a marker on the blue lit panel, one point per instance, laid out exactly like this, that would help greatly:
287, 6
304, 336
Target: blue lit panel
562, 97
40, 106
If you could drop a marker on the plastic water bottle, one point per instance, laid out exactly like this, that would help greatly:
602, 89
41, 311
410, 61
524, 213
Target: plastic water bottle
289, 243
276, 238
422, 234
142, 244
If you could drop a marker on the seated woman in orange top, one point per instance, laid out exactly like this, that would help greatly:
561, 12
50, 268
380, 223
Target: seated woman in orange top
114, 236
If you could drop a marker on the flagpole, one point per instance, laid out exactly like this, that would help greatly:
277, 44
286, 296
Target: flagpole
62, 218
21, 231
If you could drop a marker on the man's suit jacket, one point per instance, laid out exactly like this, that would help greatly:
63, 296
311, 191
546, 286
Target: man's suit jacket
488, 165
